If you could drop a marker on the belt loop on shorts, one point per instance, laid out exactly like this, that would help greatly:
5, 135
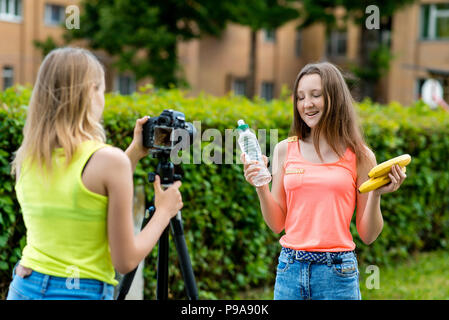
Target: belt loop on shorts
45, 282
105, 291
328, 259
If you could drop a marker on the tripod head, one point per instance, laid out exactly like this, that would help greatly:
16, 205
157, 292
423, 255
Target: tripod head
165, 170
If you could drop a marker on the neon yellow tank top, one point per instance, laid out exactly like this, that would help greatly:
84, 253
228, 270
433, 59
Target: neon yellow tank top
66, 223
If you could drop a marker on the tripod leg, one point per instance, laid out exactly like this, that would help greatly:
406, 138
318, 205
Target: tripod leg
162, 267
184, 258
126, 284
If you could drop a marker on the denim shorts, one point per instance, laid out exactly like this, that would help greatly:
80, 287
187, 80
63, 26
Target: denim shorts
333, 279
39, 286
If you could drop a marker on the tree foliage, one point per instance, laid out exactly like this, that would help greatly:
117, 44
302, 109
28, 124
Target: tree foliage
143, 34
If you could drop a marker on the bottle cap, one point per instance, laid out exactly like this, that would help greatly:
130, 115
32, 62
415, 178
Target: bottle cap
241, 125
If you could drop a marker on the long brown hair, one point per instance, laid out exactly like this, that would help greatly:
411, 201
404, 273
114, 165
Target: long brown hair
60, 112
339, 123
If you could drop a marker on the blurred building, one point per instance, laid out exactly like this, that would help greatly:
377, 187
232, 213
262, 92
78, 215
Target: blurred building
219, 65
420, 42
418, 36
22, 22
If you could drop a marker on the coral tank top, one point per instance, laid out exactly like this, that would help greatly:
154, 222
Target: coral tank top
321, 199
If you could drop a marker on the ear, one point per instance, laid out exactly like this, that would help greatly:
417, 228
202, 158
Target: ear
92, 88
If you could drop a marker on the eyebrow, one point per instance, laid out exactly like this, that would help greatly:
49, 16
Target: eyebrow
301, 91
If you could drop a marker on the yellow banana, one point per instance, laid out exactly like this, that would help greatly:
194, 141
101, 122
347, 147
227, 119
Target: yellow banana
375, 183
385, 167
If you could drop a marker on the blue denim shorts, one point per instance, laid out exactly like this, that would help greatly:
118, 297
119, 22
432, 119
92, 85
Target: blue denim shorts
39, 286
303, 279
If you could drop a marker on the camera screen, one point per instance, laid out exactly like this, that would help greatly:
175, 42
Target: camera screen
162, 137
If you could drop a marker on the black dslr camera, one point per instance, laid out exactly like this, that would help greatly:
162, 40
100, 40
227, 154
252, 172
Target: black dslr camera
159, 133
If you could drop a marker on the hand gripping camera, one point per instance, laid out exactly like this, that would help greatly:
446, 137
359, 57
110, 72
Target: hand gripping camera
161, 134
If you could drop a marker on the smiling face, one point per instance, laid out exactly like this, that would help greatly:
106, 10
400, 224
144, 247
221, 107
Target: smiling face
323, 108
310, 99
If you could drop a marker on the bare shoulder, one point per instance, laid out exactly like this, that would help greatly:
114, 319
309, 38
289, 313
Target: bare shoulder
367, 163
111, 158
105, 166
371, 156
279, 154
281, 147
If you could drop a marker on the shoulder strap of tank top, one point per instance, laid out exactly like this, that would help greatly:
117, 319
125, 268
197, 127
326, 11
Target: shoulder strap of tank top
291, 145
87, 150
292, 149
88, 153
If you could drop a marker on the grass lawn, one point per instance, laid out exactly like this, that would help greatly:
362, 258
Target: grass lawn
424, 276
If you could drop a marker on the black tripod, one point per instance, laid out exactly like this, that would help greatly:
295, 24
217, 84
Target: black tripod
166, 172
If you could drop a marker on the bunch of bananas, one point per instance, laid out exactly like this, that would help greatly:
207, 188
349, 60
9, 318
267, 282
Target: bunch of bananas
379, 174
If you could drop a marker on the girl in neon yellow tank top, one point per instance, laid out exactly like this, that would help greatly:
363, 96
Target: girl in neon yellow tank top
75, 191
316, 174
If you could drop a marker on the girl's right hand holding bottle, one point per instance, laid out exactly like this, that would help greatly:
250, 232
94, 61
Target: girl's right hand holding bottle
251, 168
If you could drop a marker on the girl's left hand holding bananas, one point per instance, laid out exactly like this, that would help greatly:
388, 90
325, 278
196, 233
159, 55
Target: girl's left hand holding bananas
397, 178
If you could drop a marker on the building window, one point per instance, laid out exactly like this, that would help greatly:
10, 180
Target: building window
125, 84
267, 90
336, 43
269, 35
298, 43
435, 21
8, 77
11, 10
54, 14
239, 87
385, 31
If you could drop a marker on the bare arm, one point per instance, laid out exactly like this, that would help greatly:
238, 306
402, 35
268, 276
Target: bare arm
127, 250
272, 204
136, 150
369, 219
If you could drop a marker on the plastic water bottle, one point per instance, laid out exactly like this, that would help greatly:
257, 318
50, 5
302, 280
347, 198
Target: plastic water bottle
248, 144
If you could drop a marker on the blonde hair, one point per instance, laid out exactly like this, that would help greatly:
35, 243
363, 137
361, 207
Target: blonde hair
60, 112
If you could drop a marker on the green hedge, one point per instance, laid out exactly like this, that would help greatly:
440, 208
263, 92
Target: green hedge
230, 246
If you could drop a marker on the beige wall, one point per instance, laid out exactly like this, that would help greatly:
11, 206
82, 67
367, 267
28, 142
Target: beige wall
210, 63
16, 40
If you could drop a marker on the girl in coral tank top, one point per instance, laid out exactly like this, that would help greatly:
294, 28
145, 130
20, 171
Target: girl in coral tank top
316, 173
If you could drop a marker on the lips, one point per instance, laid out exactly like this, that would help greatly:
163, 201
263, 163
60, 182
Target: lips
311, 114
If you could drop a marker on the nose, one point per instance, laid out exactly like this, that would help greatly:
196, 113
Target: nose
307, 102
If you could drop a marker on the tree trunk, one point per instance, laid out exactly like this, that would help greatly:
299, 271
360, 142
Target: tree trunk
251, 91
